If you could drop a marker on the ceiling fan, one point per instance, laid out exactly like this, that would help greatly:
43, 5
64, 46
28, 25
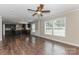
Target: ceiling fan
39, 10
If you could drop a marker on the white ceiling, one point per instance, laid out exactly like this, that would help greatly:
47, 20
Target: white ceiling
16, 13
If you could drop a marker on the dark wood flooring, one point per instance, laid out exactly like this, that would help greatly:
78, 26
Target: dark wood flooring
30, 45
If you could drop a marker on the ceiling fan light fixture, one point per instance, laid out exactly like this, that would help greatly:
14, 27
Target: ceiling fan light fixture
38, 12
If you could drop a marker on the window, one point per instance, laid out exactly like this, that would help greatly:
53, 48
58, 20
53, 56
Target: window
59, 26
48, 27
33, 27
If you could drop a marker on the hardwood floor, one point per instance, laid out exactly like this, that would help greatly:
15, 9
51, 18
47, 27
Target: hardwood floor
30, 45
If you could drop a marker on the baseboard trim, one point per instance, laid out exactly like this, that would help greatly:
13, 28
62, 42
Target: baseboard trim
64, 42
68, 43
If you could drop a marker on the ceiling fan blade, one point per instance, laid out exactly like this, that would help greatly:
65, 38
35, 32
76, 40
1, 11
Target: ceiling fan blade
30, 10
46, 11
34, 14
41, 6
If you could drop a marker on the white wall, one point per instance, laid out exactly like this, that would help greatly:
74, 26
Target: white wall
39, 29
72, 29
3, 29
0, 28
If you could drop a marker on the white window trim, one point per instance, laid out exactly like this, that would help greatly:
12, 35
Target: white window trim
60, 34
45, 31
